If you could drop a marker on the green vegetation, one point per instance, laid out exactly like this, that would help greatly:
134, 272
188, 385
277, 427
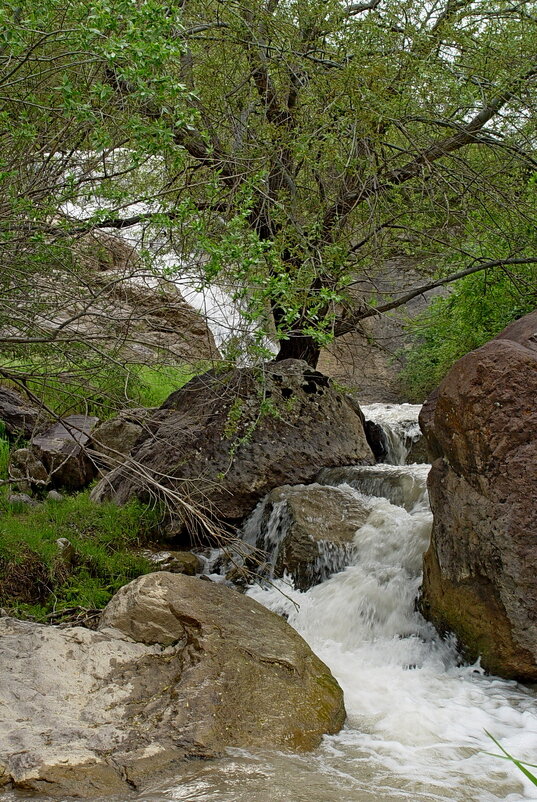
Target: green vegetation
151, 385
285, 150
40, 579
5, 447
111, 388
521, 765
477, 309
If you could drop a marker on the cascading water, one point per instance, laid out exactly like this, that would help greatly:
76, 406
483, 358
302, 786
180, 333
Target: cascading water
417, 717
399, 423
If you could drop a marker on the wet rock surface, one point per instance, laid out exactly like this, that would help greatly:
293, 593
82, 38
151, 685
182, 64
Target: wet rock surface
226, 439
179, 669
481, 428
307, 531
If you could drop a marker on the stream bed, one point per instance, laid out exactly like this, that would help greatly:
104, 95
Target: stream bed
417, 718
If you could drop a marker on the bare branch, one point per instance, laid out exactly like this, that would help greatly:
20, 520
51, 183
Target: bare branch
349, 323
360, 8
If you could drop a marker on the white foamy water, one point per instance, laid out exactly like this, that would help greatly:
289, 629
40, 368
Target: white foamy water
399, 423
417, 718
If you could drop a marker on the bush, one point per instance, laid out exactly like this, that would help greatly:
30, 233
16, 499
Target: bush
477, 309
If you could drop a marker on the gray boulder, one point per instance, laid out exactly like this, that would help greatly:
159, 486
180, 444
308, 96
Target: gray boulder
225, 439
19, 418
114, 440
28, 471
177, 562
62, 449
179, 669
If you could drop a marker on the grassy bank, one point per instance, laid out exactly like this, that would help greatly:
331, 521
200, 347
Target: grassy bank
49, 579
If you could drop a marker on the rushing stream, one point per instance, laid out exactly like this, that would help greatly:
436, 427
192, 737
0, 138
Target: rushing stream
416, 716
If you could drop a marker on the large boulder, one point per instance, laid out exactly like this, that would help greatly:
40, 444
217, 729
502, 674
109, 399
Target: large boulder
179, 669
27, 470
114, 439
225, 439
481, 428
306, 531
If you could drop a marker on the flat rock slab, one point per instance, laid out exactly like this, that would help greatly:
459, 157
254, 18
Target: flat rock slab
179, 668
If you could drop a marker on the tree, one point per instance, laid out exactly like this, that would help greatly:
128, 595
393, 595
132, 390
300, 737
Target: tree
288, 145
70, 140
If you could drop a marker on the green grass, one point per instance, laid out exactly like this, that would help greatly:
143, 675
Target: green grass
151, 385
521, 766
102, 392
36, 578
5, 448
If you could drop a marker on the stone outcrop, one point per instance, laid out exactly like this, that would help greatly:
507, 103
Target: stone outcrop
225, 439
369, 359
481, 429
62, 451
306, 531
146, 318
179, 669
114, 439
17, 416
111, 299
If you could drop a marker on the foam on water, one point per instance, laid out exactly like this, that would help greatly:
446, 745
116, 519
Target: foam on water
399, 423
417, 717
416, 714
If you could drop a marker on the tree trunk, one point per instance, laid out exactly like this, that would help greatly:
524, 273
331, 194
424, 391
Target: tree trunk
300, 346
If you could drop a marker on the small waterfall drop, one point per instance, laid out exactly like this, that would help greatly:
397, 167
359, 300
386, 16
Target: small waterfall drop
399, 423
417, 717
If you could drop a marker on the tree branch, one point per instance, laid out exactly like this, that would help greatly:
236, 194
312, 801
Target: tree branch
348, 324
360, 8
378, 185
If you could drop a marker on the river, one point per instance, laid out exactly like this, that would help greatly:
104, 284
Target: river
417, 718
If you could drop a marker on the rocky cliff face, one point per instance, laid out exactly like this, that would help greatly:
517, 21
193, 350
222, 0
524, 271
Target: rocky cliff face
179, 669
370, 359
107, 297
481, 429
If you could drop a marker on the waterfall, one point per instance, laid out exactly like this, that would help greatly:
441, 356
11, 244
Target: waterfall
399, 424
416, 715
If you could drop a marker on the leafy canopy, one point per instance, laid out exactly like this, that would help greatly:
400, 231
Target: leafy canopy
287, 148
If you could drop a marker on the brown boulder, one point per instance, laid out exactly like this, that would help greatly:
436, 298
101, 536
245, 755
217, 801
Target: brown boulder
306, 531
225, 439
481, 426
179, 669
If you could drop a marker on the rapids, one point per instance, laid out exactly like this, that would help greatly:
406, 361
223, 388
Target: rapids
417, 717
